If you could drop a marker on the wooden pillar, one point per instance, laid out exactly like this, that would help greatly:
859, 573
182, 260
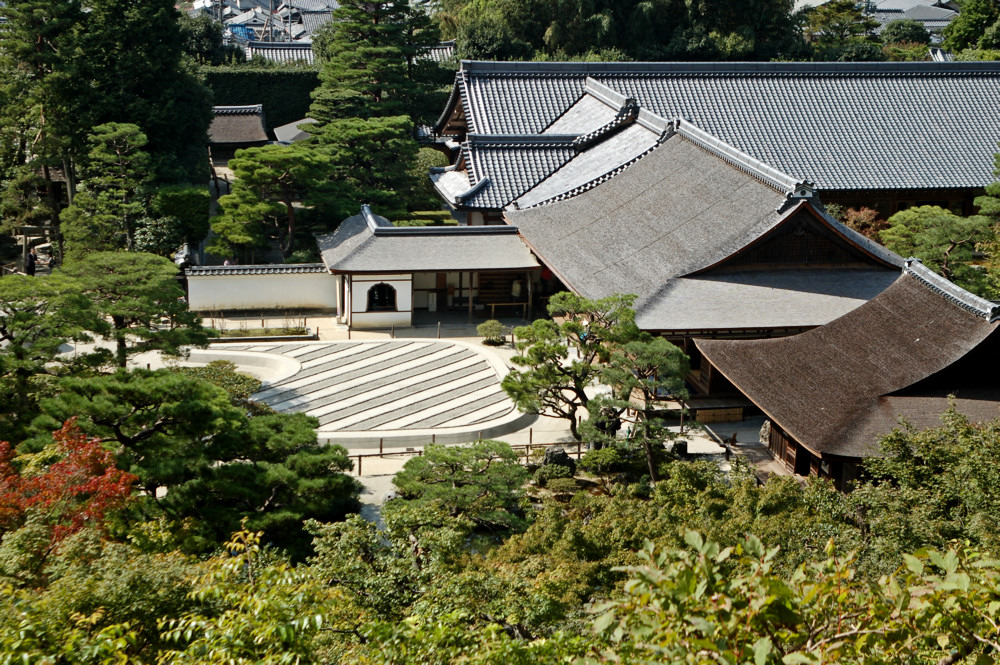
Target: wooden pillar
472, 281
339, 281
531, 289
349, 301
461, 282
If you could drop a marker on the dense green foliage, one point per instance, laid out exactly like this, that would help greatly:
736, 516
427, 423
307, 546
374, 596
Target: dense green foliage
139, 298
944, 241
977, 26
261, 206
67, 90
905, 31
371, 64
622, 575
639, 30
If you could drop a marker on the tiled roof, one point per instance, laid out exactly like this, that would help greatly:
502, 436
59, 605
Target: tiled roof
367, 243
314, 20
512, 165
262, 269
682, 211
292, 132
609, 132
237, 124
313, 5
934, 19
837, 389
843, 125
281, 51
590, 166
443, 51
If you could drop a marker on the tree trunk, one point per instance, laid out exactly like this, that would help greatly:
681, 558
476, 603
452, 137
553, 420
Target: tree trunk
291, 226
121, 348
649, 459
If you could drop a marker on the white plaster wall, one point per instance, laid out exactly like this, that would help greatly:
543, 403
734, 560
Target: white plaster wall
381, 319
236, 292
360, 318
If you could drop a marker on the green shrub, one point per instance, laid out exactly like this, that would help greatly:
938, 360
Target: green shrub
223, 373
492, 332
550, 472
563, 485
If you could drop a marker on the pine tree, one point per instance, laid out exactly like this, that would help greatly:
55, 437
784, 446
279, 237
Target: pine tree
373, 65
152, 86
371, 159
35, 105
115, 171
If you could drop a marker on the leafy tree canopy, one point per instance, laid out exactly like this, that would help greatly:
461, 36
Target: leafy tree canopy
270, 180
944, 241
216, 464
373, 65
554, 380
969, 28
480, 482
907, 31
139, 295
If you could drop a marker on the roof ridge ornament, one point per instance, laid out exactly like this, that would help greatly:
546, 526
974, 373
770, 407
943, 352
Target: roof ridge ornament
950, 291
627, 115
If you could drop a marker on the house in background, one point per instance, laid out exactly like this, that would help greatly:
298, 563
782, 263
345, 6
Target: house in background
831, 393
882, 135
934, 18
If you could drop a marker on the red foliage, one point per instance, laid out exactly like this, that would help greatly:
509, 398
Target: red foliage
78, 490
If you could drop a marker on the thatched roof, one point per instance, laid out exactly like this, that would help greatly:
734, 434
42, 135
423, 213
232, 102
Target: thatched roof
238, 125
838, 388
677, 228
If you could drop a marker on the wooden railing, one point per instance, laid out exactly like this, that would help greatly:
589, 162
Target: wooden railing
524, 449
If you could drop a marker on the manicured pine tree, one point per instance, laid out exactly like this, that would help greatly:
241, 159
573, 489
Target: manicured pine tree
111, 200
373, 65
130, 67
35, 106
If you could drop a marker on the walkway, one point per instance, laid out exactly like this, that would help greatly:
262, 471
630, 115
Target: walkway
399, 391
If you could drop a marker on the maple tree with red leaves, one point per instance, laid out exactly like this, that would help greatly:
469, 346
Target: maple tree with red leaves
77, 490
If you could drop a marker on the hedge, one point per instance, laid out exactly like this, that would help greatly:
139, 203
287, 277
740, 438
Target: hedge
284, 92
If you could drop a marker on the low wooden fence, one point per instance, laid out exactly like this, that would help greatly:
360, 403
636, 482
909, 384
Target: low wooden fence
524, 450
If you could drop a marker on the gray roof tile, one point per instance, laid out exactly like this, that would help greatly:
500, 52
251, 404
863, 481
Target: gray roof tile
681, 210
367, 243
842, 125
259, 269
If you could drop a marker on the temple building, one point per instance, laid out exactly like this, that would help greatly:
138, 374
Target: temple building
883, 135
384, 274
831, 393
713, 243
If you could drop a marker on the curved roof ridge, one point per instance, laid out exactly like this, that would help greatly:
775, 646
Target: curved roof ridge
754, 167
486, 68
246, 109
374, 221
950, 291
604, 93
521, 140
